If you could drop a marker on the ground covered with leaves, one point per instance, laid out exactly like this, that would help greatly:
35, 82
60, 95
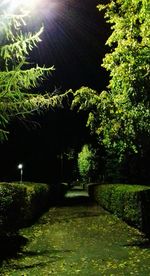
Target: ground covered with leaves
79, 238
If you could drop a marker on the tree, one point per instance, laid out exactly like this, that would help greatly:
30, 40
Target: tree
127, 109
120, 116
86, 162
18, 77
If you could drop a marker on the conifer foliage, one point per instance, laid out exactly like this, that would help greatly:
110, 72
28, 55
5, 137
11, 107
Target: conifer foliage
18, 77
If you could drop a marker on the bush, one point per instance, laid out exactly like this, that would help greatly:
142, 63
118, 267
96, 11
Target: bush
129, 202
20, 204
12, 202
37, 199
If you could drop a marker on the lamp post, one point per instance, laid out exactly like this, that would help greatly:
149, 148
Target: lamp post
20, 167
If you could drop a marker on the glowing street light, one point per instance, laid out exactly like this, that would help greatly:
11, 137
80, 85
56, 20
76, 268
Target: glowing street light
20, 167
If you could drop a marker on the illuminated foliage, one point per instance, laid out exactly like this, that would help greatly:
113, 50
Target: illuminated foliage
18, 77
86, 162
128, 107
120, 116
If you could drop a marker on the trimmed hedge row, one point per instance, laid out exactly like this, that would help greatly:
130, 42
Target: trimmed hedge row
20, 204
129, 202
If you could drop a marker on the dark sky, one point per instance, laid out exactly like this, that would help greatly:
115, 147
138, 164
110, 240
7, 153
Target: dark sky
73, 41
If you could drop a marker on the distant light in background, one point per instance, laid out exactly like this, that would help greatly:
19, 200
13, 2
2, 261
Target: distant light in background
20, 167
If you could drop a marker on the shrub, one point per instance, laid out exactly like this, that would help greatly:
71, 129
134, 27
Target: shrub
37, 199
129, 202
20, 204
12, 202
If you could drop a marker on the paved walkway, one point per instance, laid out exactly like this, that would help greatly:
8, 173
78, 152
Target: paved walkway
80, 238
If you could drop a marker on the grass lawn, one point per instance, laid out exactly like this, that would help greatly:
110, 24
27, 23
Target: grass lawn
80, 238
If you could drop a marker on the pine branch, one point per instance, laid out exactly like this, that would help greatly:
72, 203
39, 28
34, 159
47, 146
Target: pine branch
31, 103
3, 135
20, 46
16, 81
16, 97
11, 22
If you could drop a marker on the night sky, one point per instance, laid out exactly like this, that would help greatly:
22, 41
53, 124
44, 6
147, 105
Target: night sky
73, 41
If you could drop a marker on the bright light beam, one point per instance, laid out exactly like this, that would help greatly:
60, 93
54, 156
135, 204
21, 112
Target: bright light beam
30, 4
24, 4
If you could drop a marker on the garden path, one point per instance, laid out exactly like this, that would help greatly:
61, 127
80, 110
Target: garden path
80, 238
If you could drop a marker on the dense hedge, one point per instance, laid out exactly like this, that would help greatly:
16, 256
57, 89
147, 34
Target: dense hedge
129, 202
20, 204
